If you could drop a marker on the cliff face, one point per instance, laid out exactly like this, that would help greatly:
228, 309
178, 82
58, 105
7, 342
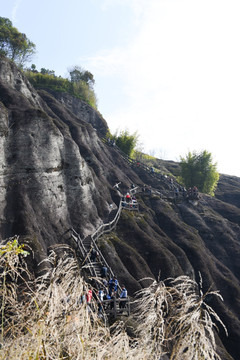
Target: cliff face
56, 173
82, 110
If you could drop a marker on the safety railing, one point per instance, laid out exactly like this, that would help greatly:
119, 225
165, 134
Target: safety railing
84, 253
116, 305
130, 206
104, 228
108, 227
76, 237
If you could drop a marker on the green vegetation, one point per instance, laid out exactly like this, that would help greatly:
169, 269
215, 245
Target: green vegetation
13, 44
11, 249
11, 270
198, 170
78, 74
144, 158
50, 319
125, 141
80, 84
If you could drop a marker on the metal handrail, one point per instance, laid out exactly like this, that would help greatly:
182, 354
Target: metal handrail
103, 258
79, 242
107, 227
104, 228
83, 251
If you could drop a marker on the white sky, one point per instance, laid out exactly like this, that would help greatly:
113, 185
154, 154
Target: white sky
169, 69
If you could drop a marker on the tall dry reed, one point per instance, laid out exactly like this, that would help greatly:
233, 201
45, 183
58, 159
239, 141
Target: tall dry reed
176, 320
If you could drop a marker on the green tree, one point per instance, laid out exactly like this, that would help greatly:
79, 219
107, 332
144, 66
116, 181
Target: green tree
47, 72
33, 68
126, 141
13, 44
78, 74
82, 84
197, 169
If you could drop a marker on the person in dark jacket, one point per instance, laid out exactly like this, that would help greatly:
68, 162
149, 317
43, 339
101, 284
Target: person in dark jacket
104, 271
93, 255
113, 285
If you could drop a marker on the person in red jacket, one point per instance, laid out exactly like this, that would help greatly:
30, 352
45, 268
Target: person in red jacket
128, 198
89, 296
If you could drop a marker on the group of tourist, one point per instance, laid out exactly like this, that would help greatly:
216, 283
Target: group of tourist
108, 289
105, 293
129, 201
191, 194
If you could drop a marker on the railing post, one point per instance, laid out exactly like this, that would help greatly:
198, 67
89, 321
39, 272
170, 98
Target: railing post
128, 307
114, 307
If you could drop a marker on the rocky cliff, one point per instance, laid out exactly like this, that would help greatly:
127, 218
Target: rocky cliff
56, 173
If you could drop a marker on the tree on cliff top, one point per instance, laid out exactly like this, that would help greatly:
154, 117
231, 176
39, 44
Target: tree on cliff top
198, 170
13, 44
82, 82
77, 74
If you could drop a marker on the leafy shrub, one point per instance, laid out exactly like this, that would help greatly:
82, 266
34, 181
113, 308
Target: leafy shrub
125, 141
198, 170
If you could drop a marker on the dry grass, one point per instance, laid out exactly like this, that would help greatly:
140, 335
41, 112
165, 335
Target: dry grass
175, 320
49, 321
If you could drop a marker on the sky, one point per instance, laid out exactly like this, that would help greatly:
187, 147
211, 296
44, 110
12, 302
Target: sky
168, 69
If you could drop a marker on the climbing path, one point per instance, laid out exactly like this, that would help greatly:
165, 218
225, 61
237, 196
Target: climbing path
173, 190
86, 245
